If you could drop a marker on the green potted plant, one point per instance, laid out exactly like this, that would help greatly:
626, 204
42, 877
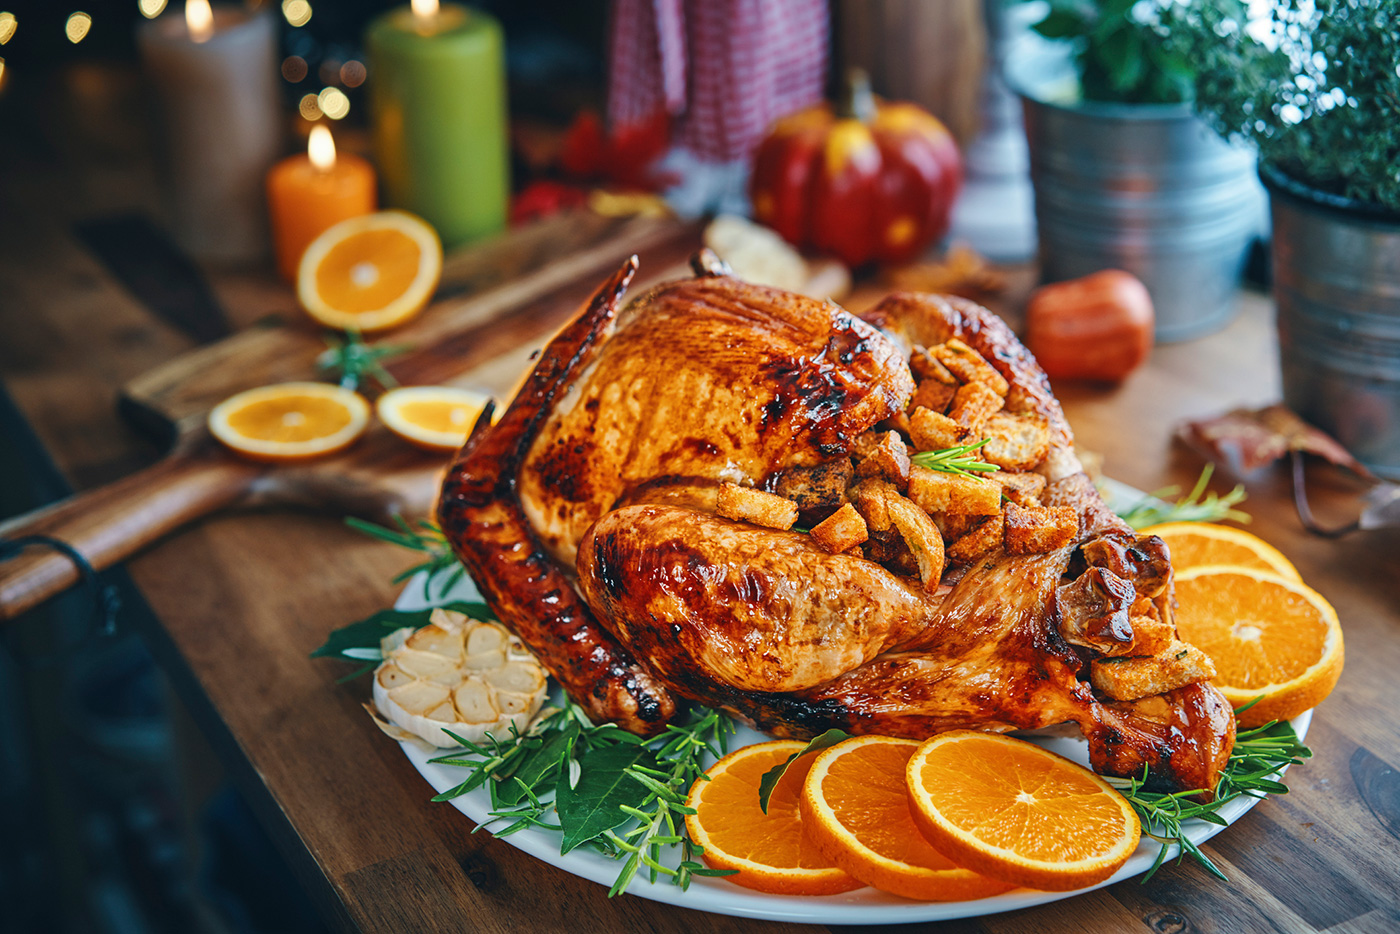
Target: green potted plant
1126, 175
1316, 88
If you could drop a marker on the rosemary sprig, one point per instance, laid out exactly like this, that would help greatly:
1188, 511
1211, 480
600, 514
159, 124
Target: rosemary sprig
353, 362
441, 568
660, 816
965, 460
1196, 506
1251, 770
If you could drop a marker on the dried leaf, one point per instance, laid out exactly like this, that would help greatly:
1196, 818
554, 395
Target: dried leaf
1244, 440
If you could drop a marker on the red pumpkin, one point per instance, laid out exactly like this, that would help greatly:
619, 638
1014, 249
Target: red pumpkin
873, 180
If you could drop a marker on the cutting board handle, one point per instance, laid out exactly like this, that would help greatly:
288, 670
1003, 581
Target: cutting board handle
110, 523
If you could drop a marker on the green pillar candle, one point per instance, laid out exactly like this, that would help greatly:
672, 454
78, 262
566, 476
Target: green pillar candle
438, 108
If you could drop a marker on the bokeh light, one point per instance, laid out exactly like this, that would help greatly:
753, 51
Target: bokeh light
150, 8
294, 68
334, 103
8, 25
296, 12
353, 74
77, 26
309, 107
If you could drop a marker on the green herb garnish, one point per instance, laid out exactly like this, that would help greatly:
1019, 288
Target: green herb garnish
963, 460
359, 641
1196, 506
770, 778
353, 362
1252, 770
611, 791
441, 567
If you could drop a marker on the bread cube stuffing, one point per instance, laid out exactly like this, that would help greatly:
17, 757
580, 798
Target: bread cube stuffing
936, 491
1035, 529
749, 505
841, 531
1127, 679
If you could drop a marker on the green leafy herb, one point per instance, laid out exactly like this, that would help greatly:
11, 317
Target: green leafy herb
359, 641
963, 460
353, 362
770, 778
1252, 770
441, 567
612, 791
1196, 506
1118, 51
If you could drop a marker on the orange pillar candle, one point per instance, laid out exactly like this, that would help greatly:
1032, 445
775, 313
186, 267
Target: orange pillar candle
308, 193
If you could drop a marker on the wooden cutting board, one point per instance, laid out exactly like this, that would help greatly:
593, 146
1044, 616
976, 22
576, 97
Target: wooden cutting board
497, 303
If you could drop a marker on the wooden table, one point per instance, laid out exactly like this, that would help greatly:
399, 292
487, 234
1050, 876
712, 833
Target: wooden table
241, 601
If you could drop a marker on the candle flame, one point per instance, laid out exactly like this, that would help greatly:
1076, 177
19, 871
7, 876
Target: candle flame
424, 9
320, 148
200, 19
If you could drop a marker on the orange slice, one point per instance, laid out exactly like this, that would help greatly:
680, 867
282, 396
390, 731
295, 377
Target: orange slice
1014, 811
856, 808
1270, 636
437, 418
370, 272
290, 421
769, 850
1196, 544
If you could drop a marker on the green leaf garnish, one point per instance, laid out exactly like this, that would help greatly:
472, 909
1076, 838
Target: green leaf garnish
1196, 506
963, 460
1251, 770
353, 362
358, 640
441, 568
770, 778
591, 804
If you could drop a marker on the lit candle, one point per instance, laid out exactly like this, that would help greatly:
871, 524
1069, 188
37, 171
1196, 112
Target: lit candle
438, 109
308, 193
213, 74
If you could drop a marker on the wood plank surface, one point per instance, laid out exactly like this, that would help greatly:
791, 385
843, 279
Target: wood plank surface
241, 601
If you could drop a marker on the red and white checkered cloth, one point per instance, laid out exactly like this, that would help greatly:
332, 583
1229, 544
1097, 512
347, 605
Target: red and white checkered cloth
723, 69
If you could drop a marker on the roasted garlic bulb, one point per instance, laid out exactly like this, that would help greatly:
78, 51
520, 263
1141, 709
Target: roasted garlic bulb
458, 674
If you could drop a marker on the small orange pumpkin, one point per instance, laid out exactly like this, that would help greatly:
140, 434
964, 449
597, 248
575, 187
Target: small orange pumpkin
870, 180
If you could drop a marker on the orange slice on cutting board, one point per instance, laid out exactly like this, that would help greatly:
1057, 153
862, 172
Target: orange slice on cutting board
436, 418
856, 807
770, 851
371, 272
1270, 637
1197, 544
1016, 812
290, 421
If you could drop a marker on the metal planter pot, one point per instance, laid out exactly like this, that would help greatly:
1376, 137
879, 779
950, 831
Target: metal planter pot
1148, 188
1337, 285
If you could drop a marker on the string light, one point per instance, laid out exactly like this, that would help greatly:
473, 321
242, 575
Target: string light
296, 12
8, 25
353, 74
150, 8
309, 107
334, 103
77, 26
294, 68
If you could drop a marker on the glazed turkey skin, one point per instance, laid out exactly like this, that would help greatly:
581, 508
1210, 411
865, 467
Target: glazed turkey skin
597, 502
703, 381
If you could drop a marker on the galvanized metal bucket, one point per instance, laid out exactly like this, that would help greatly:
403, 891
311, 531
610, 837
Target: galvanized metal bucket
1144, 187
1337, 285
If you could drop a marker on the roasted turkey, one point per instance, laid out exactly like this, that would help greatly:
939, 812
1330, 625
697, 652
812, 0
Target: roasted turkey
709, 495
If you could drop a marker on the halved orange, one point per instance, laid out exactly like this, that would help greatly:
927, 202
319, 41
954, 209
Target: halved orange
1196, 544
770, 851
1016, 812
290, 421
436, 418
370, 272
856, 808
1270, 637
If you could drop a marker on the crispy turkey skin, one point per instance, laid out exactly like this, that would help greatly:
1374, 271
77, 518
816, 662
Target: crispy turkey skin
604, 480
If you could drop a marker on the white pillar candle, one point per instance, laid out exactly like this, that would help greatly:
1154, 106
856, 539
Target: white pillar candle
212, 74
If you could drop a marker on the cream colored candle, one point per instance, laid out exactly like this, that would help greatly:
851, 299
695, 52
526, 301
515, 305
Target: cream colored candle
212, 75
